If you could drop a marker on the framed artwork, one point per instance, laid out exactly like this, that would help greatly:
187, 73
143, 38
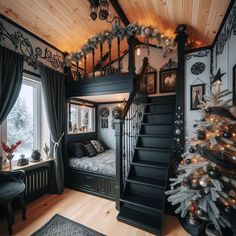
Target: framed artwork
196, 95
167, 80
151, 82
234, 85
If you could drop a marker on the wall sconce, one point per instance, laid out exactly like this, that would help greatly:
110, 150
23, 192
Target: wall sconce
138, 51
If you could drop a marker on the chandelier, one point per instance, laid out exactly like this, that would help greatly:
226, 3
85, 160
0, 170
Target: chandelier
99, 8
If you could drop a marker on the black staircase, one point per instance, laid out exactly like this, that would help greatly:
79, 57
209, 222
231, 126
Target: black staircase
143, 200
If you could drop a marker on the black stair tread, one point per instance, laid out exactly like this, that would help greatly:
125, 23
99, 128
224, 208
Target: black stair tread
158, 124
159, 113
156, 204
158, 183
153, 164
156, 135
160, 103
141, 220
153, 149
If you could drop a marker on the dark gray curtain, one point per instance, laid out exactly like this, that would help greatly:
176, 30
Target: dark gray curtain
11, 73
53, 86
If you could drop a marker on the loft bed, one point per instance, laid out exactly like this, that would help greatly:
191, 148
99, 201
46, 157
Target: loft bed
110, 79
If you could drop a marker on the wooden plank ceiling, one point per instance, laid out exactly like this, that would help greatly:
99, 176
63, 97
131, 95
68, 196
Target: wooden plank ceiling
67, 25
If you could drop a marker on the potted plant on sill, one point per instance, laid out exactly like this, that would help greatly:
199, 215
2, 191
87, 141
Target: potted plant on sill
9, 150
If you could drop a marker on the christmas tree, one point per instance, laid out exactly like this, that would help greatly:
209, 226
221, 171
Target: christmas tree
205, 186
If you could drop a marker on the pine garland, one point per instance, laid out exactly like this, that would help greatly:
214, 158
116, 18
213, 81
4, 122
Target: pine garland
149, 32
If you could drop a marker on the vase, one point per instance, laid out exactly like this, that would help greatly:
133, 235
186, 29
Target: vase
9, 158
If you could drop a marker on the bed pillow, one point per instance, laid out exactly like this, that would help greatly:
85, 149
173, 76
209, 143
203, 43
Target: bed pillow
104, 145
77, 150
89, 150
98, 146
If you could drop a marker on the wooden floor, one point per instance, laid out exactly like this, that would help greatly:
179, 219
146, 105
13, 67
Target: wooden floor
94, 212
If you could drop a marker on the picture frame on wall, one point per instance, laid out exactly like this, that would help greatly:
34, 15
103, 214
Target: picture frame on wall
167, 80
197, 92
152, 82
234, 85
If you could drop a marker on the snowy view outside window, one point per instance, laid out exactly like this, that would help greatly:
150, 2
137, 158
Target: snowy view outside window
21, 123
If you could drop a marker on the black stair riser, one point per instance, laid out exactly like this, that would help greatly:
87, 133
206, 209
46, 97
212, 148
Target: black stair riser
163, 119
162, 99
157, 129
154, 142
136, 218
147, 155
160, 108
148, 172
141, 209
145, 191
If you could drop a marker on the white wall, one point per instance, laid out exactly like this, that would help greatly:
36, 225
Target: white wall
107, 135
191, 79
227, 59
156, 60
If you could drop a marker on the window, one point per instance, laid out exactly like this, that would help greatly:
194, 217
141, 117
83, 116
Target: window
81, 118
24, 121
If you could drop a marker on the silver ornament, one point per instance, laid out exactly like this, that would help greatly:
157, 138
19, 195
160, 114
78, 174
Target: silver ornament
178, 131
203, 182
234, 158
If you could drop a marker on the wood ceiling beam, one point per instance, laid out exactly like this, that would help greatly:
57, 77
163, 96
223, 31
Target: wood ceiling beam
120, 12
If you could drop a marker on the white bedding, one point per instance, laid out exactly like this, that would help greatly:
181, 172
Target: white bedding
104, 163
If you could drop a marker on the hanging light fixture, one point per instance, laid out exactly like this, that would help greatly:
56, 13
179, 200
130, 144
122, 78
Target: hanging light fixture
93, 10
103, 9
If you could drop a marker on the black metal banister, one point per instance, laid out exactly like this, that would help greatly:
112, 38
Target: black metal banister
127, 129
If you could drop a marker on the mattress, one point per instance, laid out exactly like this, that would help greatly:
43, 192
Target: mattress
104, 163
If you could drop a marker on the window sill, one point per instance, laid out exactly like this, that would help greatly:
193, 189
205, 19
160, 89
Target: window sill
31, 165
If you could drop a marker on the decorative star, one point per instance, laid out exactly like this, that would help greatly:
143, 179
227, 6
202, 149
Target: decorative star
217, 77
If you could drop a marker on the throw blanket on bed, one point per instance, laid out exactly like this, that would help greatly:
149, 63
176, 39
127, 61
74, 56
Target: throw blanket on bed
104, 163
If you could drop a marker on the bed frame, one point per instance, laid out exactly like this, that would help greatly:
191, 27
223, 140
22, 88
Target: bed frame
91, 182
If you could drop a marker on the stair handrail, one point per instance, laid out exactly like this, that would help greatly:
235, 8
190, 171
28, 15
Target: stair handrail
127, 129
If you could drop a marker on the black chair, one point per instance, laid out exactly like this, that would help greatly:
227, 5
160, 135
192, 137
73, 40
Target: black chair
12, 187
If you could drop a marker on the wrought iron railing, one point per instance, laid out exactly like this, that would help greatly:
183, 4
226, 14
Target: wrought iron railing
128, 127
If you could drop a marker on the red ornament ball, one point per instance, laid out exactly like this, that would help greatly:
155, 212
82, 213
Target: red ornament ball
181, 162
193, 209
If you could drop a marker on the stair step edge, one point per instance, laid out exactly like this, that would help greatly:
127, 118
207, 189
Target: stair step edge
147, 184
149, 165
153, 149
142, 205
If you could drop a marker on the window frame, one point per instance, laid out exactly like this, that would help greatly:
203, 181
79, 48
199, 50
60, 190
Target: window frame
34, 82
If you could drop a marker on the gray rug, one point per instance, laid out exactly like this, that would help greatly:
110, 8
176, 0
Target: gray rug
61, 226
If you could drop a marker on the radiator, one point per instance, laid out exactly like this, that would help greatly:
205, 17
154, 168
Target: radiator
37, 182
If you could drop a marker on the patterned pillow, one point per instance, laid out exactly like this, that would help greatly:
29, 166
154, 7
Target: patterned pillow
98, 146
90, 150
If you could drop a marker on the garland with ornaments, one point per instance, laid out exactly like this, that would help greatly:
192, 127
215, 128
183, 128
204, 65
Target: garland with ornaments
148, 32
205, 187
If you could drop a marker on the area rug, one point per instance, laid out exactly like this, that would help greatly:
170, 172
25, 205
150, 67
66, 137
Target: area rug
61, 226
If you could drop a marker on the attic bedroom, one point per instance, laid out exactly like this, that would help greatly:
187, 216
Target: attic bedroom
118, 117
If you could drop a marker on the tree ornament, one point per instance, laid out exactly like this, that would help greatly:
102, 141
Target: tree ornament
200, 212
203, 181
192, 150
188, 161
234, 158
214, 173
227, 134
208, 110
193, 183
193, 209
228, 209
201, 135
